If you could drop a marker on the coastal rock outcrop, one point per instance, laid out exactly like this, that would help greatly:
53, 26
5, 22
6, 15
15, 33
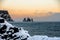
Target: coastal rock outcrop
4, 14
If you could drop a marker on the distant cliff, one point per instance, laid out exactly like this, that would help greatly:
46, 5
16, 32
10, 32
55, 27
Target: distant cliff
4, 14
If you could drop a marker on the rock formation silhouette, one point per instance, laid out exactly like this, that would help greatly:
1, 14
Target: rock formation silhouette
4, 14
28, 20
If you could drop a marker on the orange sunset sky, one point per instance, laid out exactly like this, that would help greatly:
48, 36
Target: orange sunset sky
30, 8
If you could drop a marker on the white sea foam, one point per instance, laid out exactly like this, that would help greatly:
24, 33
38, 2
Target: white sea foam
39, 37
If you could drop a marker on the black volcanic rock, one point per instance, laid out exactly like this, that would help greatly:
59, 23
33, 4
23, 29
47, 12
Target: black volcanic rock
4, 14
27, 20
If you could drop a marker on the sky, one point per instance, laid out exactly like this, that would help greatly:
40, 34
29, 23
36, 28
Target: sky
30, 8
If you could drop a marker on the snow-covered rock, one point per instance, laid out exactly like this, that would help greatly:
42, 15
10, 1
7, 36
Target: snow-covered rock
11, 32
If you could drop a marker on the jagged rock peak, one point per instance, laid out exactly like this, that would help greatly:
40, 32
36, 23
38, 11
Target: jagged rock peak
4, 14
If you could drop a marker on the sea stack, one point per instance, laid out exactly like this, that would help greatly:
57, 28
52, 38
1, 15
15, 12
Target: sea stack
5, 14
28, 20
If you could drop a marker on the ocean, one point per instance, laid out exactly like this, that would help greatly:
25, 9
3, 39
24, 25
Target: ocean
51, 29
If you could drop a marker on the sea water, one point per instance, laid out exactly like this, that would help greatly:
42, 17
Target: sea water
51, 29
